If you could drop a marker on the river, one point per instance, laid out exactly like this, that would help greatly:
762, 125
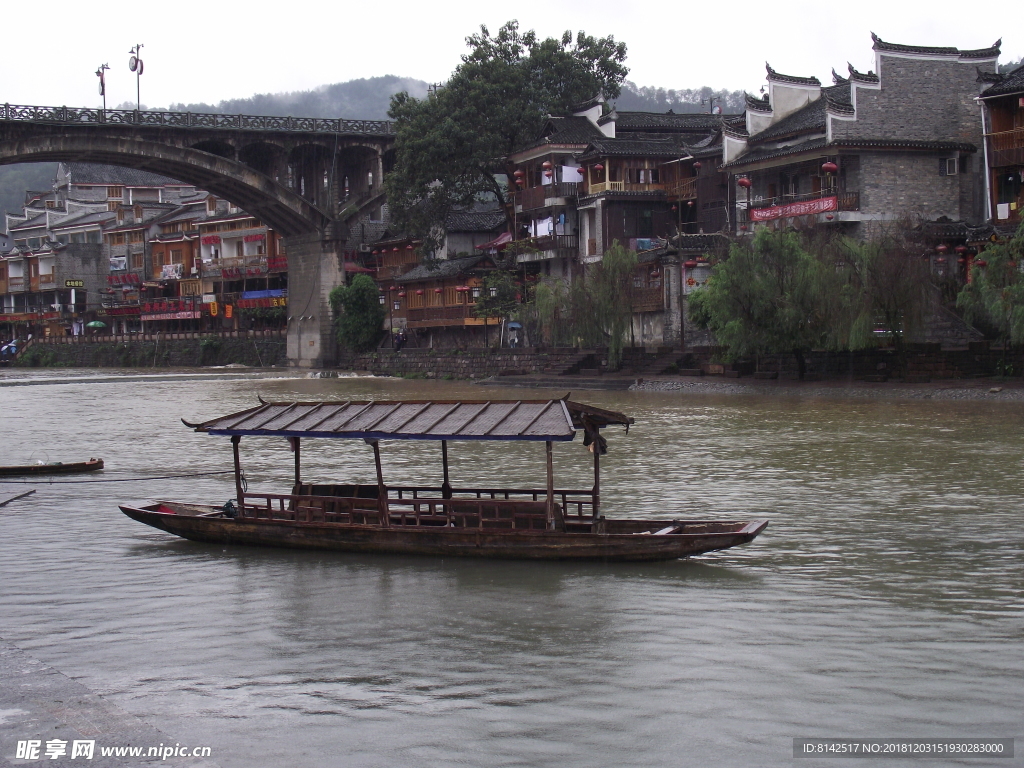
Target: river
886, 597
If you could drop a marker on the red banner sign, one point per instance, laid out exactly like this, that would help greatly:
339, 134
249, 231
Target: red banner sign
123, 311
805, 208
262, 302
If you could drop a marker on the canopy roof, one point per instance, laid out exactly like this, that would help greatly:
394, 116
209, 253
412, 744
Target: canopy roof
417, 420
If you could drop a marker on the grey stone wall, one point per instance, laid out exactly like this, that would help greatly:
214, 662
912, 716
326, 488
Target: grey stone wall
897, 184
315, 268
98, 352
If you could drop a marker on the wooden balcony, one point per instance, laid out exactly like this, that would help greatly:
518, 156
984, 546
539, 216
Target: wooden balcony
15, 284
545, 247
47, 281
439, 317
1006, 148
683, 190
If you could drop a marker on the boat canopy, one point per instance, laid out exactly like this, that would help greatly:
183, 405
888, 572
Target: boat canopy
544, 420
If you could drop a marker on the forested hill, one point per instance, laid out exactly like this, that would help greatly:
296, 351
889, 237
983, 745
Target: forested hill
366, 99
369, 99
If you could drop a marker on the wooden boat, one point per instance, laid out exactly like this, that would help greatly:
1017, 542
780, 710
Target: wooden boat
524, 523
54, 468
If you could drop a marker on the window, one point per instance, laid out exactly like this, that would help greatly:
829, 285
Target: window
138, 260
112, 205
175, 256
51, 203
136, 237
948, 166
117, 192
239, 249
94, 237
211, 205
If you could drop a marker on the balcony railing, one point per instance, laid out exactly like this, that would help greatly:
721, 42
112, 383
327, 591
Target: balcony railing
15, 284
532, 197
845, 201
623, 186
544, 247
47, 279
683, 190
1006, 148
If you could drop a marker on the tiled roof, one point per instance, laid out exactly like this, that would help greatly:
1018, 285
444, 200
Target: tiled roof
1011, 82
706, 242
96, 217
667, 122
861, 77
442, 268
565, 130
979, 53
838, 79
757, 105
635, 147
759, 154
809, 118
115, 175
35, 221
474, 221
781, 78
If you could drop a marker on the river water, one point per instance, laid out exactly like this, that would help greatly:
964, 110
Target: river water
886, 598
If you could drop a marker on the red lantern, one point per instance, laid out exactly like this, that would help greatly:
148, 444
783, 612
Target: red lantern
546, 165
401, 294
393, 288
961, 260
696, 166
549, 174
961, 249
981, 263
395, 249
655, 273
745, 183
419, 291
519, 174
690, 264
743, 227
374, 253
598, 167
941, 248
829, 216
829, 167
690, 203
675, 207
408, 247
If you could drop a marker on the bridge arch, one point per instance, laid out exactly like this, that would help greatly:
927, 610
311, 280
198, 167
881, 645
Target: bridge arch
257, 193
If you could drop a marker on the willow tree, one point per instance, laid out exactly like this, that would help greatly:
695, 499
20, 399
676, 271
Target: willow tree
769, 296
449, 147
995, 295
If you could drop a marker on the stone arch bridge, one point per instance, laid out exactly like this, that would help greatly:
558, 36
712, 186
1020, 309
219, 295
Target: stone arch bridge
307, 178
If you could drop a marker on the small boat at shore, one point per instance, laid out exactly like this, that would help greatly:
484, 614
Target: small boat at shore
52, 468
520, 523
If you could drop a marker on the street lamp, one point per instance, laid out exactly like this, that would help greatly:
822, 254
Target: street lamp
135, 65
103, 85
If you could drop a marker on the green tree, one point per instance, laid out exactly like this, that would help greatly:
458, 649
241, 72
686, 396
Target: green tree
449, 147
613, 293
995, 295
769, 296
359, 314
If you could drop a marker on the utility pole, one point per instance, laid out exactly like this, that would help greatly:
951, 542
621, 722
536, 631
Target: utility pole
135, 65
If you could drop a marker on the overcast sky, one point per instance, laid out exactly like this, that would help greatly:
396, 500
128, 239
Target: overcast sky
215, 50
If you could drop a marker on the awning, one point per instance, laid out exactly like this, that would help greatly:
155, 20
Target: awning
496, 244
351, 266
555, 420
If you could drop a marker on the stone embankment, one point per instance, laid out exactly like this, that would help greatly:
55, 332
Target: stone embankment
172, 350
477, 363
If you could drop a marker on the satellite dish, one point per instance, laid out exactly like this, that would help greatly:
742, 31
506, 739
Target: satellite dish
133, 63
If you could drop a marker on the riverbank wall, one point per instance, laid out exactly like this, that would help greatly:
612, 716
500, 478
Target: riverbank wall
171, 350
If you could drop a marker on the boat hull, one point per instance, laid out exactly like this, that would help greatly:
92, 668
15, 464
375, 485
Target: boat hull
52, 469
186, 521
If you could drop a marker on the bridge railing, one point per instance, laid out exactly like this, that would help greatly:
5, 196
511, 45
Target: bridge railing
86, 116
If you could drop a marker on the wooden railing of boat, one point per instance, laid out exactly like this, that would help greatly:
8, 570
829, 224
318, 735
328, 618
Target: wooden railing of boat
421, 506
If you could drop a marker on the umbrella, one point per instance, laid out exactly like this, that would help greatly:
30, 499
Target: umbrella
514, 326
96, 324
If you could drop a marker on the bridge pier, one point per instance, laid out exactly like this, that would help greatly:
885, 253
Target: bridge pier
315, 268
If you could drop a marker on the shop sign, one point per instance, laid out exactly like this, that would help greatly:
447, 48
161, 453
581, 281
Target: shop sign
124, 311
213, 308
262, 302
228, 311
74, 283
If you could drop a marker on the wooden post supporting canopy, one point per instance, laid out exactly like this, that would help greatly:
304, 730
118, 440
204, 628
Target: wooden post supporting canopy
596, 445
298, 474
446, 486
239, 495
550, 510
382, 491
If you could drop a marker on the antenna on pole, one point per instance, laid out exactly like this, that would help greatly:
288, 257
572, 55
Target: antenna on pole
135, 65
